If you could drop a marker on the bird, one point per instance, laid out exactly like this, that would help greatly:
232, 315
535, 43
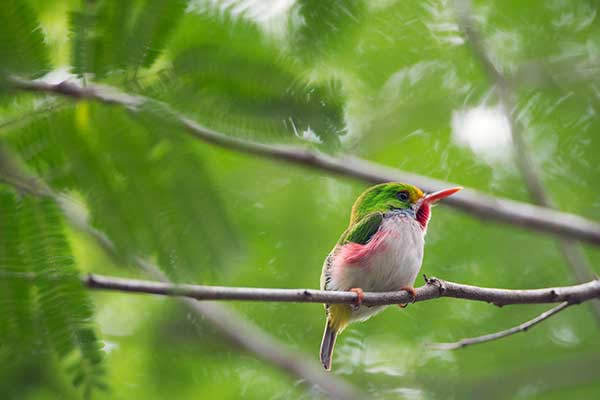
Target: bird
380, 251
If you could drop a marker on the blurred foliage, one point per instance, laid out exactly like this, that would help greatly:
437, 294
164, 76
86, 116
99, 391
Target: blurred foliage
322, 27
22, 46
49, 308
110, 36
227, 73
96, 161
386, 80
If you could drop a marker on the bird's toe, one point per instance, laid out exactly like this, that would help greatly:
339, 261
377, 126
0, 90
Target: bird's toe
413, 294
360, 296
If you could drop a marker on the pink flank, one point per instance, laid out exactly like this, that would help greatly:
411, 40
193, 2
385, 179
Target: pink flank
353, 254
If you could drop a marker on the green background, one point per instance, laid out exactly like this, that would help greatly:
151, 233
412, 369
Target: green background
380, 80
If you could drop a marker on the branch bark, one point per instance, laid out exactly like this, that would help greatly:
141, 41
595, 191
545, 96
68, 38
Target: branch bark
434, 288
499, 335
470, 201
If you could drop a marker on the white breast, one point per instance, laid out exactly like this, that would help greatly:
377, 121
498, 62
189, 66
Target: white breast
396, 263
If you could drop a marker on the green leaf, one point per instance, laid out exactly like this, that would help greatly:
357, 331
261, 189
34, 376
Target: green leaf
87, 47
325, 26
111, 36
151, 30
147, 188
233, 78
166, 194
22, 47
16, 302
61, 310
38, 142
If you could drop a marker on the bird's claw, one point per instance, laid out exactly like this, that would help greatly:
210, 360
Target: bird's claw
413, 294
360, 296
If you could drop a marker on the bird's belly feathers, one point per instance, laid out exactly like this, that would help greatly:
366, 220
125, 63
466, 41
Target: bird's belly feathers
394, 262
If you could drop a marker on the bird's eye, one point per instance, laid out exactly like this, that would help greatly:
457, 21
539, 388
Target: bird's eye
402, 196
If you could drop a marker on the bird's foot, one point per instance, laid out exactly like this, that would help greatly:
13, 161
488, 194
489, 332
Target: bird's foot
360, 296
412, 292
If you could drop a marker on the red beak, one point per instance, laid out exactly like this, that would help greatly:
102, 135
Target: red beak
434, 197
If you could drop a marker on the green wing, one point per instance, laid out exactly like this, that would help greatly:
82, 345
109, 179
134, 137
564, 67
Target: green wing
362, 231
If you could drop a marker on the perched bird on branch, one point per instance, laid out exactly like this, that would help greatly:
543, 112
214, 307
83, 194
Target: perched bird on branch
382, 250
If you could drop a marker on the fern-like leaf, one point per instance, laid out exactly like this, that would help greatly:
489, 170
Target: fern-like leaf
22, 48
34, 252
16, 304
233, 78
111, 36
325, 26
145, 187
151, 30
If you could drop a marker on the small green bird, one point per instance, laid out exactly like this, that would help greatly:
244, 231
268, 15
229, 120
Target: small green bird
380, 251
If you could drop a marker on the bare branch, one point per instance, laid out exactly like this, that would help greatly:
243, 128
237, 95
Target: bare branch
469, 200
434, 288
499, 335
573, 255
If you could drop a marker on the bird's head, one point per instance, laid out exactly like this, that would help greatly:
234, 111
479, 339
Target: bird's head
398, 198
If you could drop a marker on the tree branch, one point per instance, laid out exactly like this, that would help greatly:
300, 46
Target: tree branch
469, 200
434, 288
573, 255
498, 335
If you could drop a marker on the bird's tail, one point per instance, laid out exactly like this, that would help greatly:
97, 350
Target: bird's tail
327, 344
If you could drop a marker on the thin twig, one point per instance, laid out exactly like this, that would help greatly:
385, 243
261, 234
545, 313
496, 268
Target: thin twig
573, 255
469, 200
498, 335
434, 288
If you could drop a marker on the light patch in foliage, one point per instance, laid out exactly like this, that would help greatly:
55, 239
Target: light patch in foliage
485, 130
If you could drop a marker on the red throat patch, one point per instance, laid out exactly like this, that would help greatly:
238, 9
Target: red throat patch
423, 215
